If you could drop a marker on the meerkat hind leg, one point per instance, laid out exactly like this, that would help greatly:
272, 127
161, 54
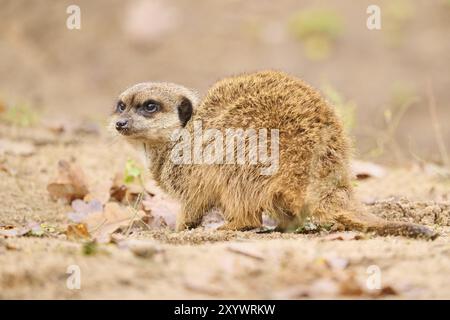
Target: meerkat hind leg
287, 223
340, 207
241, 221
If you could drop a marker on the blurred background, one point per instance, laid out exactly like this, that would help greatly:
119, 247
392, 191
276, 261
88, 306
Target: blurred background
391, 86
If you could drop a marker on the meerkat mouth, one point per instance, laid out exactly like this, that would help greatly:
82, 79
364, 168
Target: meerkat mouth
125, 132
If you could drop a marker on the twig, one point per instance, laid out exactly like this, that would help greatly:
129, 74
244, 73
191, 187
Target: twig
134, 208
436, 125
245, 253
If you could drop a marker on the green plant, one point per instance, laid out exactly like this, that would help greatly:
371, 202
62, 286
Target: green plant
20, 115
90, 248
402, 98
132, 172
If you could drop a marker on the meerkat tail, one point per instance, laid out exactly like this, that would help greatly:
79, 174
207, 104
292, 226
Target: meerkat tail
367, 222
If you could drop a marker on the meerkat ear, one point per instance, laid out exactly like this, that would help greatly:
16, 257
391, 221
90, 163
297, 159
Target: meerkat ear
185, 111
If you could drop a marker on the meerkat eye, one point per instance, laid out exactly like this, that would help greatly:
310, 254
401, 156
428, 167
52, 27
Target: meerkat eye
121, 107
150, 107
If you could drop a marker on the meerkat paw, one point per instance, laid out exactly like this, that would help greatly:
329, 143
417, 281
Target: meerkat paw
186, 225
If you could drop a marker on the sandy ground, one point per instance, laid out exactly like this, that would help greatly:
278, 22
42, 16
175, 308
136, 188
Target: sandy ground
55, 71
205, 263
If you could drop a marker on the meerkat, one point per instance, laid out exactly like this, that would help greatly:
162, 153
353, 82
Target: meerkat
313, 177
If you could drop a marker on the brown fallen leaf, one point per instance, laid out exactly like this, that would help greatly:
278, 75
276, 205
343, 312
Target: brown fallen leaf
118, 189
127, 193
16, 148
10, 231
70, 184
2, 106
160, 208
113, 217
31, 228
118, 192
77, 232
82, 209
100, 192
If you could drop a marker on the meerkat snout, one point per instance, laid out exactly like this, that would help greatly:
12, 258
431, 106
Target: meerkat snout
122, 125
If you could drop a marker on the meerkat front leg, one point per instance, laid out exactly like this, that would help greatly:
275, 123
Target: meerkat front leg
190, 216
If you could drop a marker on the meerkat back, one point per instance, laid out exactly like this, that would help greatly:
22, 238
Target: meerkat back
312, 179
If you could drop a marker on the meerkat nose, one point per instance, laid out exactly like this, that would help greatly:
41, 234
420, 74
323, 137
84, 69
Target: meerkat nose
122, 125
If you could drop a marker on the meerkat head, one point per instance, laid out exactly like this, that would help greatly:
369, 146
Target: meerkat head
151, 111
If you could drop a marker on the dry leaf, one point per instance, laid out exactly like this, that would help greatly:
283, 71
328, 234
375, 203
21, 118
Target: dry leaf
32, 228
13, 231
77, 232
363, 170
113, 217
161, 208
118, 189
70, 184
2, 106
101, 221
16, 148
83, 209
100, 192
126, 193
118, 192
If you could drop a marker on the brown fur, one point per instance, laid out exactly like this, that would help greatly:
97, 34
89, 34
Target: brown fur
313, 176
